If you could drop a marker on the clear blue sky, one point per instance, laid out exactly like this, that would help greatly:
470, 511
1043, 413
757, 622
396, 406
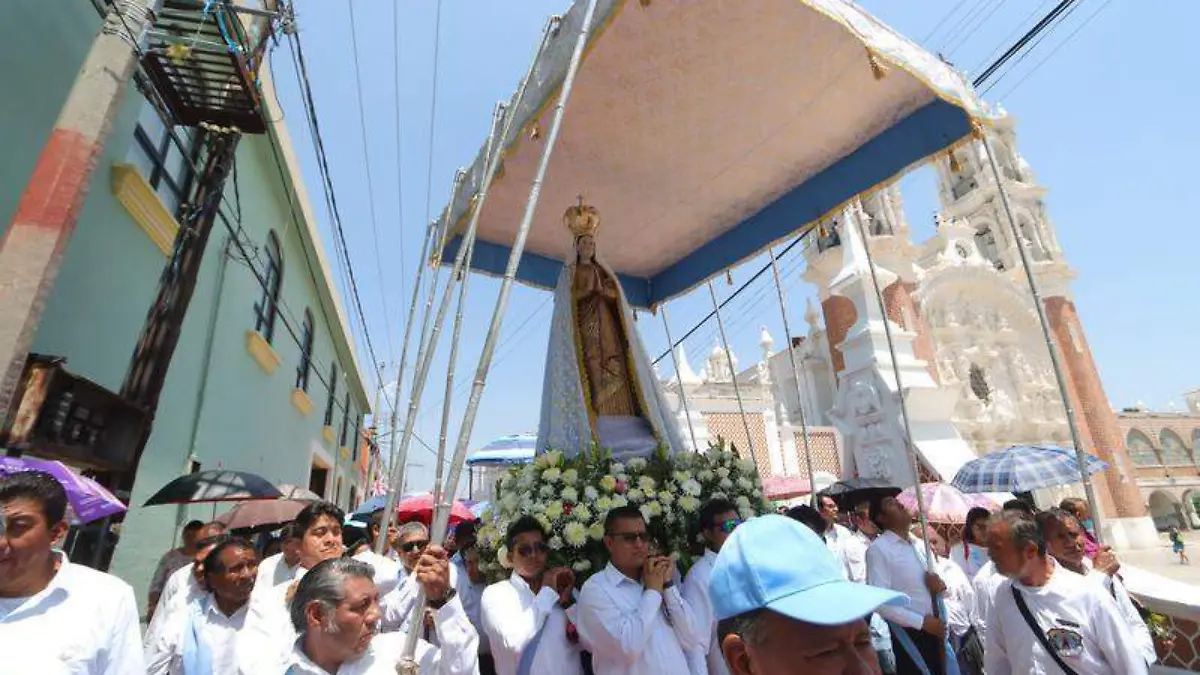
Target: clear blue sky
1106, 123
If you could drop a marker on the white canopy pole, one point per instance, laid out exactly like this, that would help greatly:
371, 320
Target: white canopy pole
441, 516
737, 391
787, 333
679, 378
1035, 291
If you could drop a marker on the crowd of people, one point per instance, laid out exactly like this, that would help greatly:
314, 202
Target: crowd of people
813, 591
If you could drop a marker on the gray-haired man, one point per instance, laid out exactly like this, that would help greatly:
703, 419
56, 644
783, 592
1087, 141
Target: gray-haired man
335, 611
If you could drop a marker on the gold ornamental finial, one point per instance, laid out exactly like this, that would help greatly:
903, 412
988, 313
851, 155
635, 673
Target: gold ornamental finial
582, 219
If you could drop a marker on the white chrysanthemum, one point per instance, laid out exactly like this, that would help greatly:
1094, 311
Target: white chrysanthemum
570, 476
691, 487
647, 484
546, 491
582, 565
666, 497
554, 510
725, 484
525, 481
637, 464
510, 501
623, 477
718, 495
746, 466
596, 531
746, 513
570, 494
655, 508
556, 543
608, 483
590, 493
744, 484
603, 504
705, 475
616, 467
681, 476
689, 504
546, 524
635, 495
757, 494
722, 472
502, 557
581, 513
575, 534
743, 502
552, 474
619, 500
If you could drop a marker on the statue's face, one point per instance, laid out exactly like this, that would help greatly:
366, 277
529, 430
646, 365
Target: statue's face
585, 246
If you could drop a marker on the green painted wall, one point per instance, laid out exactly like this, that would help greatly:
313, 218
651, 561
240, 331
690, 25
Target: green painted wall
109, 277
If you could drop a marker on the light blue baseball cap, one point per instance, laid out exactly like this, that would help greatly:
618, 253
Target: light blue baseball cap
775, 563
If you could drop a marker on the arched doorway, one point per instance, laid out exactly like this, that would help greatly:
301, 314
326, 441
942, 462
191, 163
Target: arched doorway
1166, 510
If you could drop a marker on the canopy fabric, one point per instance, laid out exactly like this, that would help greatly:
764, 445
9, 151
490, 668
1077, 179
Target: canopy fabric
706, 131
515, 449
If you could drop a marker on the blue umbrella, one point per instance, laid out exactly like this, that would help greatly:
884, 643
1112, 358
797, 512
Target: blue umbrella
514, 449
1023, 468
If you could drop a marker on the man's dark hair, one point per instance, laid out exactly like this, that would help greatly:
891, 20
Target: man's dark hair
36, 486
621, 513
809, 517
1051, 519
464, 530
192, 526
747, 626
376, 520
313, 512
521, 526
713, 508
1021, 506
215, 540
290, 531
1024, 530
212, 561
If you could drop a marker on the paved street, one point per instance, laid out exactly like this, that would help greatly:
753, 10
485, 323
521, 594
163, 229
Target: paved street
1161, 560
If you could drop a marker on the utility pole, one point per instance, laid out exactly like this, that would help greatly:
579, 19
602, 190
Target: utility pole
32, 248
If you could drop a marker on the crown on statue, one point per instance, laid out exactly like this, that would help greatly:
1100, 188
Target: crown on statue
582, 219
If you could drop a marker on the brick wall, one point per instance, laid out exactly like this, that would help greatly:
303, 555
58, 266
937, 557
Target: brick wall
840, 315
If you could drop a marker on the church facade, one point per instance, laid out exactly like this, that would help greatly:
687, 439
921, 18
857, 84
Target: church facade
973, 361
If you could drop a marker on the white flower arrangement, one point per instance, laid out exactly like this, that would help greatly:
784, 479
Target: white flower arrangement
571, 497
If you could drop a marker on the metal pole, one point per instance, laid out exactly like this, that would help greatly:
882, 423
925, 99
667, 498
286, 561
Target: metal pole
787, 333
442, 515
887, 330
31, 249
682, 394
1034, 290
737, 390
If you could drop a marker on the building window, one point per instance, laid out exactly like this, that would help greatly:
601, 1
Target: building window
1140, 450
267, 308
345, 419
306, 346
333, 374
166, 166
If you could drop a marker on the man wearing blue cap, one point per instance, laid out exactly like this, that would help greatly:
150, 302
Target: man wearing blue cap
784, 606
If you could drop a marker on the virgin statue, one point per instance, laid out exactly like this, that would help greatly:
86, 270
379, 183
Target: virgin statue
599, 385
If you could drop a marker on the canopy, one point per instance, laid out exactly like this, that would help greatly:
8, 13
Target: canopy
706, 131
515, 449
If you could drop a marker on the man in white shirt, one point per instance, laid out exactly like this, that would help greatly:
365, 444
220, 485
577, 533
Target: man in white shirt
203, 639
896, 561
185, 585
959, 601
281, 567
718, 519
1065, 540
387, 570
411, 542
630, 618
865, 532
170, 562
778, 617
335, 613
988, 578
57, 618
1047, 619
837, 537
526, 616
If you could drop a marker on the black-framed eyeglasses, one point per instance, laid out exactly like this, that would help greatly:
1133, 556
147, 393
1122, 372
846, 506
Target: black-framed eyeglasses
410, 546
526, 550
632, 537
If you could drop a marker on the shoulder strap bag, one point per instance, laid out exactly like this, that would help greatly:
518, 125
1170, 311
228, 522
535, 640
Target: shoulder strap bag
1039, 633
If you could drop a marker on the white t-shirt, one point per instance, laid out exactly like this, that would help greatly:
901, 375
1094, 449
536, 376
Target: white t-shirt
1078, 618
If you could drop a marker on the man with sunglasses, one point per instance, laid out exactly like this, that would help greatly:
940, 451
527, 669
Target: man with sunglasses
526, 616
632, 620
397, 603
718, 519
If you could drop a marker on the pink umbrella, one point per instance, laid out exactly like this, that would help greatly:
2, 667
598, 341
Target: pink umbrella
945, 503
420, 507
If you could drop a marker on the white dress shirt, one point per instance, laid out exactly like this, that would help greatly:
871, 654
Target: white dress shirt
959, 597
970, 558
396, 604
471, 596
387, 571
164, 655
512, 615
273, 570
167, 565
1133, 619
856, 559
838, 541
457, 655
626, 628
84, 622
985, 583
899, 564
267, 634
180, 590
1070, 610
706, 656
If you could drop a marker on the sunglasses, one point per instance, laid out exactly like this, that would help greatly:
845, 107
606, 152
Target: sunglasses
729, 525
526, 550
631, 537
411, 546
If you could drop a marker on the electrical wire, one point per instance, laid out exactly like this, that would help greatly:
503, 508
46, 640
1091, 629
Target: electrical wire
1020, 44
1031, 48
1054, 51
399, 158
973, 28
1011, 34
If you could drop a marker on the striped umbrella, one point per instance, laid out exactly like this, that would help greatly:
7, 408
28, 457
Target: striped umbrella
946, 503
1023, 468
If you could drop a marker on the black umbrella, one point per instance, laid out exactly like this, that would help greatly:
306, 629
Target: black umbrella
214, 486
852, 491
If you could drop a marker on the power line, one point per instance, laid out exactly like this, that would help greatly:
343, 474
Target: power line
973, 28
945, 18
1056, 48
1011, 34
399, 160
437, 49
1020, 44
1025, 54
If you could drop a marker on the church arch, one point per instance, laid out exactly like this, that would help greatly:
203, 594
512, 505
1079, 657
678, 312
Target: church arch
1174, 453
1141, 450
1166, 510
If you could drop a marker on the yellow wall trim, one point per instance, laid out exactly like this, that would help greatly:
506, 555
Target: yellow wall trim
261, 351
302, 402
327, 434
345, 452
147, 210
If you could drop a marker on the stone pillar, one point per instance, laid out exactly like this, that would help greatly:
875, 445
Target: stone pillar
1096, 419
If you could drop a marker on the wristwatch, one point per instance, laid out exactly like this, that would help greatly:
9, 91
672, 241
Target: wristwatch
438, 604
